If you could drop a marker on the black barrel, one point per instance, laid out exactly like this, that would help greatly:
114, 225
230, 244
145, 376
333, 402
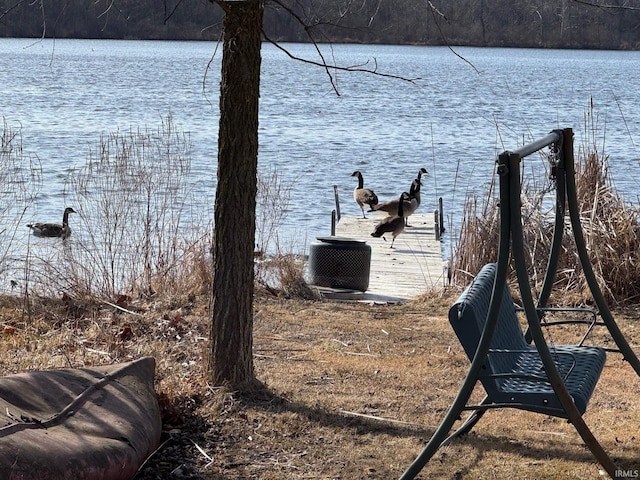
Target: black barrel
339, 262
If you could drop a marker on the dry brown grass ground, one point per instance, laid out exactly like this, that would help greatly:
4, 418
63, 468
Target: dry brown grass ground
353, 391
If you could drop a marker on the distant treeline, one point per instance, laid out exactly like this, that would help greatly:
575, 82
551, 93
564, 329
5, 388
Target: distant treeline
600, 24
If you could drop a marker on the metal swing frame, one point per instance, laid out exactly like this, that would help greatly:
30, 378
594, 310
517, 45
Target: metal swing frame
512, 243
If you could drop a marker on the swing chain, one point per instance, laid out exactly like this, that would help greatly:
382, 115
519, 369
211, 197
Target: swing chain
554, 159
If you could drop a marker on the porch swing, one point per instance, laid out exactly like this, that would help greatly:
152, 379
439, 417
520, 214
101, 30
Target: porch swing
555, 380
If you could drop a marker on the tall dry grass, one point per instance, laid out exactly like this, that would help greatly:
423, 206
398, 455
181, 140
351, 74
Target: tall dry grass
278, 269
610, 226
133, 233
142, 231
21, 182
272, 206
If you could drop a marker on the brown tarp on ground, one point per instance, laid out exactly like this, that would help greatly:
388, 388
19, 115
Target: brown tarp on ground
76, 424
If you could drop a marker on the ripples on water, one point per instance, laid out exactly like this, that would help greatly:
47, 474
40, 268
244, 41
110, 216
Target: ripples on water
453, 120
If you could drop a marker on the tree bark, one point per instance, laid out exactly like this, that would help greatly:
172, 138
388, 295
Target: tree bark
231, 358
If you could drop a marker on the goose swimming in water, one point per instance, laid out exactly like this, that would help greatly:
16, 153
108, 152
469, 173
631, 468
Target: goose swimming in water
392, 224
53, 229
363, 196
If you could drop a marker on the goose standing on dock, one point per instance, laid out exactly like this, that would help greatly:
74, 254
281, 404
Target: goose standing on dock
392, 224
53, 229
391, 206
411, 203
417, 189
414, 201
363, 196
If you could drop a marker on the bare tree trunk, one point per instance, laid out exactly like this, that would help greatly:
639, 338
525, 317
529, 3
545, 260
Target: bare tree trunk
230, 359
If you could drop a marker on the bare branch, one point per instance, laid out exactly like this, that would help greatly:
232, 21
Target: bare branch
106, 10
606, 7
307, 29
323, 62
354, 68
206, 71
434, 11
44, 22
375, 13
167, 17
16, 5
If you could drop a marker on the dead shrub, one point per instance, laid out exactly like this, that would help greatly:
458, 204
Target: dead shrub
610, 227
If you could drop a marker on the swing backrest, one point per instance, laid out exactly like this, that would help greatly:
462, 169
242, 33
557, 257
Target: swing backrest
468, 325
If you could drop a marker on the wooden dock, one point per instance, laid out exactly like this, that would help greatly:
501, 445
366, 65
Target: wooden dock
414, 265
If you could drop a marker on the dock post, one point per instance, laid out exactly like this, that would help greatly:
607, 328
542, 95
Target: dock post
333, 223
335, 194
440, 218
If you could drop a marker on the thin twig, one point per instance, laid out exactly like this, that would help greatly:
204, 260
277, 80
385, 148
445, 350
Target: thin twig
382, 419
120, 308
203, 453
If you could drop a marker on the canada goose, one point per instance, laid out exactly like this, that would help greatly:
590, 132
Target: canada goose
363, 196
392, 224
414, 201
53, 229
414, 197
411, 203
417, 191
391, 206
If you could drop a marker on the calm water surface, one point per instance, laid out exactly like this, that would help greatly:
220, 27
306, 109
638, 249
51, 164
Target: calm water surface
452, 119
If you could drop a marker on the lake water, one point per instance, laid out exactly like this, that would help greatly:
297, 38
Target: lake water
460, 111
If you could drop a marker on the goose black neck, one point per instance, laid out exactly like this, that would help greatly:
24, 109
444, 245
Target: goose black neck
401, 206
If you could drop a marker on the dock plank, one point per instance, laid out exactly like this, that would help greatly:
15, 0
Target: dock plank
414, 265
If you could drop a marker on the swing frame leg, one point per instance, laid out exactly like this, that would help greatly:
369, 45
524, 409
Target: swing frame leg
470, 422
440, 437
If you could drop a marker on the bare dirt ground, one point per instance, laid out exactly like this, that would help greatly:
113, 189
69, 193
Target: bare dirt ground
352, 391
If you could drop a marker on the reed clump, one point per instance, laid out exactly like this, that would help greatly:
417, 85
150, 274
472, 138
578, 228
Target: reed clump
610, 227
143, 230
21, 181
282, 275
132, 195
612, 233
278, 270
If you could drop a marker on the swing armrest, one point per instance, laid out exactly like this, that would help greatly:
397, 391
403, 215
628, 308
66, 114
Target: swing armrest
590, 322
590, 311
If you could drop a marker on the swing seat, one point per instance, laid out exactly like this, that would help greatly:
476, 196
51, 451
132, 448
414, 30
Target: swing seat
513, 374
